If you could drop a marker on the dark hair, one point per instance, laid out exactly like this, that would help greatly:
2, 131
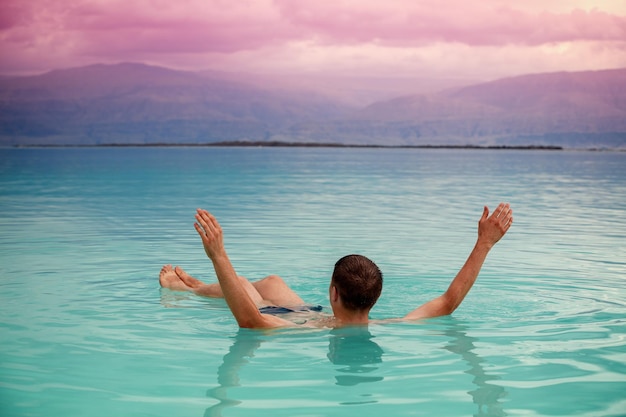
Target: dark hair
359, 282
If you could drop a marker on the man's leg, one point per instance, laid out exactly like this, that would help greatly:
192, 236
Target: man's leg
275, 291
271, 290
214, 290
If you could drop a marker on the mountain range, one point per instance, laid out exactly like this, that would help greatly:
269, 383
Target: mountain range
133, 103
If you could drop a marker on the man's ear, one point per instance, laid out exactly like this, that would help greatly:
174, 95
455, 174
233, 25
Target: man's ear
334, 294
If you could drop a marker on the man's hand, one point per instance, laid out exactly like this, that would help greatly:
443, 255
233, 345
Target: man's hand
492, 228
210, 232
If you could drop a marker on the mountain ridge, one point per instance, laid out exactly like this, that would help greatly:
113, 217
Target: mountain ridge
142, 104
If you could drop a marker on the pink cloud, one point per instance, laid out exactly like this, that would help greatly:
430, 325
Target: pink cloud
454, 22
204, 27
37, 34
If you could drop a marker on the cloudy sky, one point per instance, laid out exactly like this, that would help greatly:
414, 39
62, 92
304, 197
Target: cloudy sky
388, 38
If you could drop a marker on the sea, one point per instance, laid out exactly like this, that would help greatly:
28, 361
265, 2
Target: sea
86, 329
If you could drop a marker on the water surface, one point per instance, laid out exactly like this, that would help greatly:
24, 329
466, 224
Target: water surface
86, 330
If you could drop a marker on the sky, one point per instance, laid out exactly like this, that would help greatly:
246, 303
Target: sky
485, 39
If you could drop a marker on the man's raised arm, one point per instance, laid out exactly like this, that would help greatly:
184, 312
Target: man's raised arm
242, 306
490, 231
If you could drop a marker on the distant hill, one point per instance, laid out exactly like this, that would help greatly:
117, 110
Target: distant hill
136, 103
140, 104
580, 110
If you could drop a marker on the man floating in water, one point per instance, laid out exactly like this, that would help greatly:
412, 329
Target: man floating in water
355, 285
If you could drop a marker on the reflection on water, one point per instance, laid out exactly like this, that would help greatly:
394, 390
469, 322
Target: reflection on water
359, 358
486, 395
354, 348
246, 343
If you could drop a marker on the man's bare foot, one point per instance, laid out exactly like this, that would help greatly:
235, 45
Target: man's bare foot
169, 279
187, 279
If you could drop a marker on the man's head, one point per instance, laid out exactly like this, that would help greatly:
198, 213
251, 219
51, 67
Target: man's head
358, 281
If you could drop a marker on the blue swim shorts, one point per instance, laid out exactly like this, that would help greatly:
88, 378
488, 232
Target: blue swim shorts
285, 310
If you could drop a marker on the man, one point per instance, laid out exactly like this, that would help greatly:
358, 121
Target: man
355, 285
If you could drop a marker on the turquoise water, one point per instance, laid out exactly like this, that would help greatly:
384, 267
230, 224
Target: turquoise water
85, 329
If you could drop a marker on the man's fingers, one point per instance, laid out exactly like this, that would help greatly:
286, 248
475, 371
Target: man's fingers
201, 227
199, 230
505, 216
211, 221
204, 219
507, 212
208, 223
502, 210
502, 216
201, 223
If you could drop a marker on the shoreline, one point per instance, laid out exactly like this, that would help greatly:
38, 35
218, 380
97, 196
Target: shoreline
280, 144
